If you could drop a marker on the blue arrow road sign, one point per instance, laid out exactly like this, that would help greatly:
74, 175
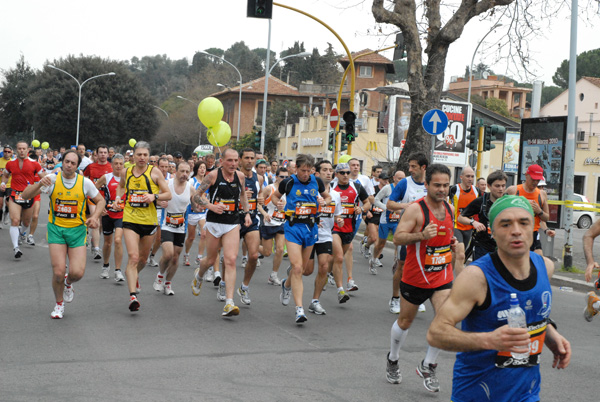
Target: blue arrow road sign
435, 121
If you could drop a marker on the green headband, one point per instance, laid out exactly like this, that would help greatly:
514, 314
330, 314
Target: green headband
508, 201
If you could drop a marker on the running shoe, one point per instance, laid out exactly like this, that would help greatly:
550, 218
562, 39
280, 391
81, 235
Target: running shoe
244, 295
422, 308
351, 286
209, 276
196, 283
330, 279
378, 263
152, 262
393, 374
372, 268
230, 310
138, 288
589, 312
430, 381
6, 219
134, 304
221, 295
198, 258
244, 261
186, 260
273, 279
217, 279
22, 238
30, 240
158, 284
284, 297
68, 293
258, 263
18, 252
119, 276
58, 312
315, 307
300, 316
104, 273
343, 297
96, 254
168, 289
395, 305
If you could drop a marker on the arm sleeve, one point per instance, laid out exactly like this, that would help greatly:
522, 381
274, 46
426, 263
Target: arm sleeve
283, 186
320, 184
473, 207
369, 187
399, 191
383, 193
90, 189
335, 196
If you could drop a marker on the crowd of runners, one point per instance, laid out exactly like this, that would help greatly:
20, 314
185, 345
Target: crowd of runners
158, 205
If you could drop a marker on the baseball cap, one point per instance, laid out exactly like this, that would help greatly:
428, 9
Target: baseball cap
536, 172
342, 166
177, 155
384, 176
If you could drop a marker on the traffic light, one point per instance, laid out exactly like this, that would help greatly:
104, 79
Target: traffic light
490, 133
472, 137
260, 8
349, 119
257, 139
331, 143
400, 49
344, 144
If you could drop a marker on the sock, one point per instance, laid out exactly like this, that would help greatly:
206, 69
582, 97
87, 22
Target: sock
395, 297
59, 303
168, 283
244, 287
228, 301
197, 278
133, 294
117, 269
159, 276
341, 289
105, 265
151, 255
431, 356
185, 254
14, 236
397, 337
314, 301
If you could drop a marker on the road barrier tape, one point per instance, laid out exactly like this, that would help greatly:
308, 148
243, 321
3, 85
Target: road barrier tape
581, 206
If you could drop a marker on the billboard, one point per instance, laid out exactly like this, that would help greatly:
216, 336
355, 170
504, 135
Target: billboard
510, 158
449, 147
542, 143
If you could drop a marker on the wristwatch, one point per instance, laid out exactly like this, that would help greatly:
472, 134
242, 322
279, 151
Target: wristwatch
472, 221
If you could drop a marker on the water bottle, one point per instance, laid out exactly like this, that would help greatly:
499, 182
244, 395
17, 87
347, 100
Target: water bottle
516, 319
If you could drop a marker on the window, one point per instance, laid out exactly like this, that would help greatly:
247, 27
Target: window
365, 71
581, 136
516, 99
578, 184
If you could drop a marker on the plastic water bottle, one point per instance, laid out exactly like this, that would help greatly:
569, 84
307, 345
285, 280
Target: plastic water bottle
516, 319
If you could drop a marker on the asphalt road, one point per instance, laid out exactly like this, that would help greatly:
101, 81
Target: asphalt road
179, 348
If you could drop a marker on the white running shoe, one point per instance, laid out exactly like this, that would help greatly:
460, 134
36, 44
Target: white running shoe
351, 285
30, 240
372, 268
273, 279
209, 276
244, 261
152, 262
395, 306
221, 292
315, 307
422, 308
68, 294
244, 295
158, 284
330, 279
186, 260
300, 316
196, 283
119, 276
96, 254
217, 278
18, 252
258, 263
58, 312
378, 263
104, 273
168, 289
284, 297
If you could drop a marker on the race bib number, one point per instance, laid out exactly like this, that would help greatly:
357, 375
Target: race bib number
228, 204
377, 210
278, 216
251, 205
305, 210
327, 211
174, 220
18, 198
394, 217
537, 335
136, 199
437, 258
65, 209
348, 211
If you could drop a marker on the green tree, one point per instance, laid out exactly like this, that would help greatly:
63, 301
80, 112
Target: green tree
113, 109
14, 98
549, 93
401, 71
160, 75
588, 65
279, 114
497, 105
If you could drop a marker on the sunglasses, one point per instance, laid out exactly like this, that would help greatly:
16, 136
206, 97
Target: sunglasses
283, 177
6, 151
344, 172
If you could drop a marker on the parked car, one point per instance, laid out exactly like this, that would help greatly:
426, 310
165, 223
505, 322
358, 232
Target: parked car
582, 217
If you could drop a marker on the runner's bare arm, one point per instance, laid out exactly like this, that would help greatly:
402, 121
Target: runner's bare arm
588, 245
101, 181
243, 197
408, 230
121, 186
164, 193
200, 196
35, 189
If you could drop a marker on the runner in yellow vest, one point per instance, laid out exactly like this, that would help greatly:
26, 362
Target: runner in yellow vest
142, 188
67, 225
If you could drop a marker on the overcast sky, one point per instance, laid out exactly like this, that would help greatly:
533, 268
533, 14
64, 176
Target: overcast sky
43, 30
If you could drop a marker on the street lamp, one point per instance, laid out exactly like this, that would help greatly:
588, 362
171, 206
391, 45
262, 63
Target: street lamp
264, 111
196, 104
80, 85
473, 59
240, 82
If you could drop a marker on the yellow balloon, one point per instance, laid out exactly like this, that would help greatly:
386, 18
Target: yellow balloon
45, 145
344, 158
220, 134
210, 111
35, 143
132, 142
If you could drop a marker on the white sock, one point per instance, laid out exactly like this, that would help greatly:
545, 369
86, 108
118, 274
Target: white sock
397, 338
431, 356
228, 301
25, 230
14, 236
340, 289
198, 278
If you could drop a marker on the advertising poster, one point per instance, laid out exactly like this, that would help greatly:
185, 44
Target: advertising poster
542, 143
450, 146
510, 160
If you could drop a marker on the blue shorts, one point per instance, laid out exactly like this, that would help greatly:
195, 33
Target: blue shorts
386, 228
357, 225
301, 234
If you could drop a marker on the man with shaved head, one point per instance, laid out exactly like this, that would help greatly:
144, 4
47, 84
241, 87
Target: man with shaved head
460, 196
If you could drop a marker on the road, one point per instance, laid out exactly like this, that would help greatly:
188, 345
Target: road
179, 348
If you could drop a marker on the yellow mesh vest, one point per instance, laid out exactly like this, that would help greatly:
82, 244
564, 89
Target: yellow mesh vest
135, 210
67, 205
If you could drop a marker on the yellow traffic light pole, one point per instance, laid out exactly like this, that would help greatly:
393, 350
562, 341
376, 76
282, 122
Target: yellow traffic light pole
352, 82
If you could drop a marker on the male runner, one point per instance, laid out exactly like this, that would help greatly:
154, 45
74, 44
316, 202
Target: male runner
484, 368
196, 218
112, 218
143, 186
375, 173
537, 198
592, 300
163, 166
405, 193
222, 223
6, 157
426, 228
481, 185
460, 196
174, 225
95, 171
351, 192
301, 191
67, 230
21, 171
85, 161
328, 216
